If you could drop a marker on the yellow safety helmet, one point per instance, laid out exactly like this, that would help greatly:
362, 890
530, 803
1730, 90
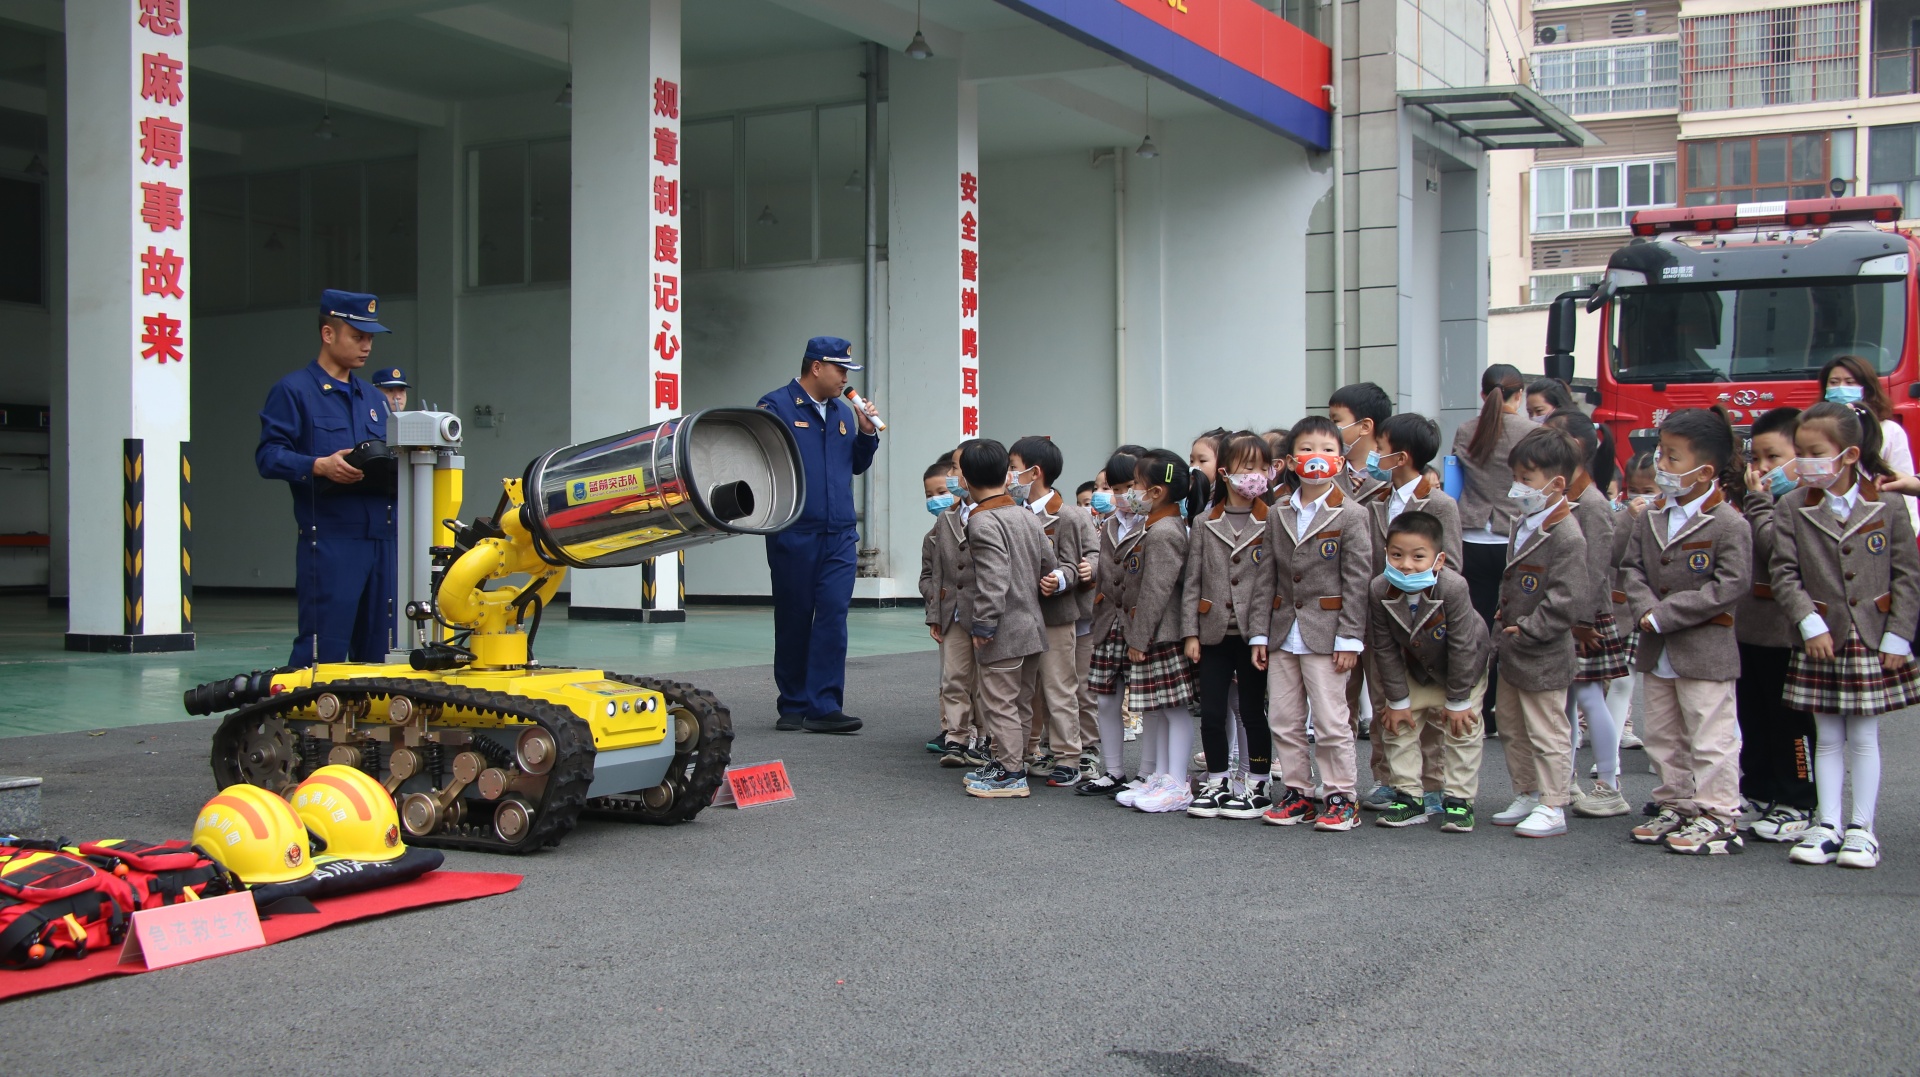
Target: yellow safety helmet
351, 813
254, 834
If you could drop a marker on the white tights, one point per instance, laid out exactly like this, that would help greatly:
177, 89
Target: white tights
1602, 724
1847, 743
1176, 740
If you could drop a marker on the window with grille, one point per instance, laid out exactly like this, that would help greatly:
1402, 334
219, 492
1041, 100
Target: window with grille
1576, 198
1893, 163
1768, 169
1610, 78
1544, 286
1781, 56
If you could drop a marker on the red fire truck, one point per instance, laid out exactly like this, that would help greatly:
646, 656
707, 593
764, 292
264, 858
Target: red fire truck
1742, 305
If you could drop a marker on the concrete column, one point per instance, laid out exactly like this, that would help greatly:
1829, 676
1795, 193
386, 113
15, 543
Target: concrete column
626, 345
439, 202
127, 328
56, 54
929, 388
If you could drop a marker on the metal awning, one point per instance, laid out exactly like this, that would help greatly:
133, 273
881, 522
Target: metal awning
1502, 117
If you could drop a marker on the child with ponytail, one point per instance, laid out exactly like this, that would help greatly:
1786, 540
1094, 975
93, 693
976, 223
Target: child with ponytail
1846, 574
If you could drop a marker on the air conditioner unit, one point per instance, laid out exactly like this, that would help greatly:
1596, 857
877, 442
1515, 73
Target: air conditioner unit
1550, 35
1627, 24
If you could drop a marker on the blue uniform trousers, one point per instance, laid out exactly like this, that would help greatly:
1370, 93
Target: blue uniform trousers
346, 599
812, 587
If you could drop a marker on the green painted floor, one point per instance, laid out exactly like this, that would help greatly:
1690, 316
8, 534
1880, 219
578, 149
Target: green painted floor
46, 689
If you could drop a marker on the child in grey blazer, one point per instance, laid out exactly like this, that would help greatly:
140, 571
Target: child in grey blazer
1010, 554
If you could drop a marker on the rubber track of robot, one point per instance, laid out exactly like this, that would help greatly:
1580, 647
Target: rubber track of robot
692, 791
554, 816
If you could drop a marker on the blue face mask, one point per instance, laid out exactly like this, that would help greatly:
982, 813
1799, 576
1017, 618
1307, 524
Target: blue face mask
1779, 484
940, 503
1845, 394
1375, 471
953, 485
1410, 581
1103, 502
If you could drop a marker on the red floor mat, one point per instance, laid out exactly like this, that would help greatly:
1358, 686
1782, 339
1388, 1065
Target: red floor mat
433, 888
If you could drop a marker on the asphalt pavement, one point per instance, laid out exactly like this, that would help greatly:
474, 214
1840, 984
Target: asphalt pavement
884, 923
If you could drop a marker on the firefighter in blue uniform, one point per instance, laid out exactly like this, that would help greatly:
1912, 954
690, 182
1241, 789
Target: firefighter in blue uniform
313, 418
813, 561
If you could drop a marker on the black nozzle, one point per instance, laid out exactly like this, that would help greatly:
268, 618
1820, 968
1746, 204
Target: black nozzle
731, 500
233, 692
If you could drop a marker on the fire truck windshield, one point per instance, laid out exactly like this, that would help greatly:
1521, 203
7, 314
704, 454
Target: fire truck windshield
1758, 332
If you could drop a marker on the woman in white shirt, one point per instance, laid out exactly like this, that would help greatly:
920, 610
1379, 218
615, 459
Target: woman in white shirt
1849, 379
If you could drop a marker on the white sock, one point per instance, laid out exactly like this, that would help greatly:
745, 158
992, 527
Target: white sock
1620, 698
1863, 761
1153, 742
1830, 765
1178, 723
1603, 728
1113, 733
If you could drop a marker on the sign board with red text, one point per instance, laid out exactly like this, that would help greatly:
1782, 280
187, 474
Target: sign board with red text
760, 783
192, 931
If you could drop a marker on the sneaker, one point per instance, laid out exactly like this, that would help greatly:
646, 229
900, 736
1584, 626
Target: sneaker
1655, 830
1292, 808
1627, 737
1783, 822
1365, 731
1090, 765
1135, 789
1173, 795
1040, 766
1542, 822
937, 744
1206, 803
1515, 813
1649, 809
1818, 845
979, 751
1456, 816
1749, 813
1100, 785
1340, 813
1063, 777
1250, 803
1593, 771
1705, 836
1404, 811
997, 781
1860, 849
1602, 801
1379, 798
954, 754
1434, 803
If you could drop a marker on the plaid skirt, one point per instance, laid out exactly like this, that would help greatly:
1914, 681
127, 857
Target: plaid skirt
1852, 683
1164, 680
1608, 660
1109, 666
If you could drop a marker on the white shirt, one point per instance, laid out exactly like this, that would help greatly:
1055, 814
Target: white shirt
1401, 498
1530, 524
1898, 453
1304, 513
1816, 625
819, 407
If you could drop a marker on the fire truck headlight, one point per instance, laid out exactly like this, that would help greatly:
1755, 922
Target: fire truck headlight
1892, 265
1627, 278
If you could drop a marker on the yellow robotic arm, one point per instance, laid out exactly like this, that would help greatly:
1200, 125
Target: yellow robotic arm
496, 616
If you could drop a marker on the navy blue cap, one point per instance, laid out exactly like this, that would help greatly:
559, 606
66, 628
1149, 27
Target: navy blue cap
391, 377
356, 308
833, 350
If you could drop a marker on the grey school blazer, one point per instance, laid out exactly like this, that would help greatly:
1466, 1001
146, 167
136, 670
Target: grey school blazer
943, 555
1443, 642
1150, 577
1319, 578
1542, 592
1010, 553
1863, 574
1222, 587
1690, 582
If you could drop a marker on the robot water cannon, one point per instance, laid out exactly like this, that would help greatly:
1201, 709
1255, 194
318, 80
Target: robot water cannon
480, 747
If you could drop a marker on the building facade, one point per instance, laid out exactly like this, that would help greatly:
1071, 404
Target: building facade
1699, 102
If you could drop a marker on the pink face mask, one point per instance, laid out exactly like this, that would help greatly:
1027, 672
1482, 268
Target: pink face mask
1248, 484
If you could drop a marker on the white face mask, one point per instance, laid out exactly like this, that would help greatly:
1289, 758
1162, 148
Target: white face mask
1820, 471
1527, 499
1673, 483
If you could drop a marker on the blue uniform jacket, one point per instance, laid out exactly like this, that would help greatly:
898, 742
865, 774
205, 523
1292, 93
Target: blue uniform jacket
310, 414
832, 453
